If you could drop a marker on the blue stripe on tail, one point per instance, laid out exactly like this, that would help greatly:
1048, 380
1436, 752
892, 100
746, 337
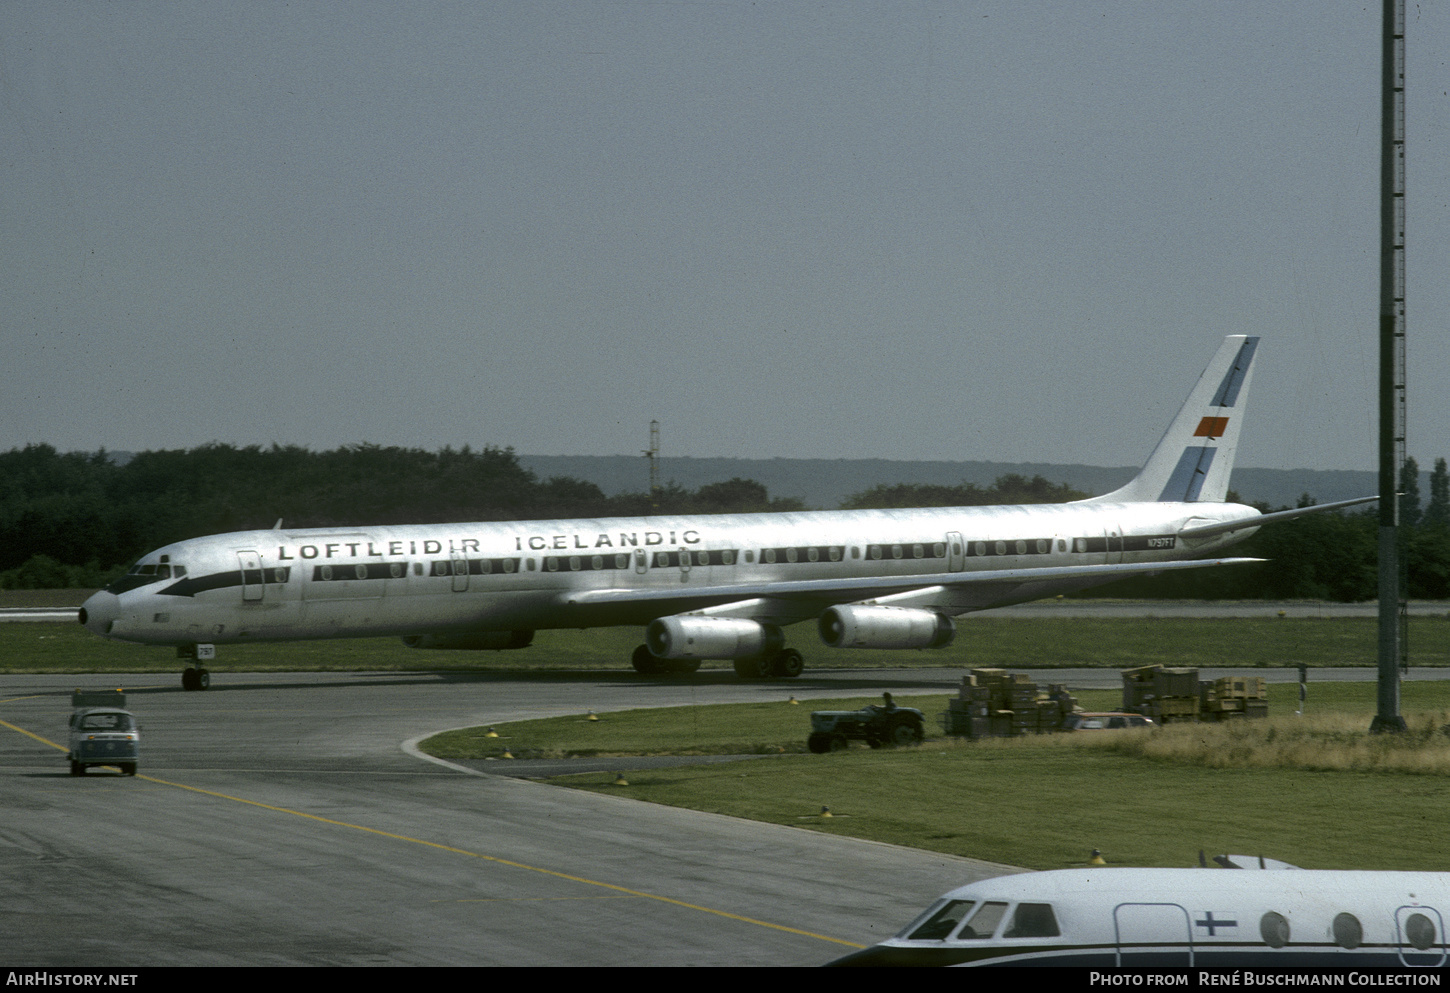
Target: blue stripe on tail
1228, 390
1188, 476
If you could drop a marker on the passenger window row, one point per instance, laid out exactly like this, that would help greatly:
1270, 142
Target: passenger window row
967, 920
1019, 546
1348, 932
678, 559
661, 560
933, 550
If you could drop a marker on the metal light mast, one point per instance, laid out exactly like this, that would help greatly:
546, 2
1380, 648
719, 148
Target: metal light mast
1393, 610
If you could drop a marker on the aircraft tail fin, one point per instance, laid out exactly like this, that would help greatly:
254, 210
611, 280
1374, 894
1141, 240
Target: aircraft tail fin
1193, 460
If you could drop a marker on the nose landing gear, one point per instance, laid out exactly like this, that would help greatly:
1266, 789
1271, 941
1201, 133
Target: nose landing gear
195, 676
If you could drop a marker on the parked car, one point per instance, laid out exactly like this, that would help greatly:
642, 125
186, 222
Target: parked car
1105, 722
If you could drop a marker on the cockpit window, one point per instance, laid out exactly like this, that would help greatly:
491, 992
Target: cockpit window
1033, 920
983, 924
943, 922
144, 574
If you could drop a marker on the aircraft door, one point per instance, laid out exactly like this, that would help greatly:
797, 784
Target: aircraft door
1420, 934
1153, 934
250, 564
1114, 535
956, 552
460, 569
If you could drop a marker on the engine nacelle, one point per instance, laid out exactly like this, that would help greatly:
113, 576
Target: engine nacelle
479, 641
850, 626
697, 637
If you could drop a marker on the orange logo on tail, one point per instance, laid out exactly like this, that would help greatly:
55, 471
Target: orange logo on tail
1211, 427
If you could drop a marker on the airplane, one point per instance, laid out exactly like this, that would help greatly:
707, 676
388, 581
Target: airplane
703, 586
1113, 917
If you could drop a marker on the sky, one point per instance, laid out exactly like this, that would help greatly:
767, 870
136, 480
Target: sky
925, 231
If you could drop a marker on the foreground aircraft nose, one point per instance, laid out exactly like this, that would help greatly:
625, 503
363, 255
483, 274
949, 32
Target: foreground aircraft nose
100, 612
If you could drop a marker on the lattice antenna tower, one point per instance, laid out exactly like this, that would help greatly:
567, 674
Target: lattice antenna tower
1393, 562
653, 454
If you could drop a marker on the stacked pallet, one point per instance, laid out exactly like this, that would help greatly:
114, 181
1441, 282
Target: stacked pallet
1178, 695
1161, 693
993, 703
1233, 696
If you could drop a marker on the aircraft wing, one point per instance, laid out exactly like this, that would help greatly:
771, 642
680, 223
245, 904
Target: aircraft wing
956, 592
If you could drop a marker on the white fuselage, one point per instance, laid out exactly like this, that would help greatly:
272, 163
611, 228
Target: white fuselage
707, 587
1113, 917
497, 577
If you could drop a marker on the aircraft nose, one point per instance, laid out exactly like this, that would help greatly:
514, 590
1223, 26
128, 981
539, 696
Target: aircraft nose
99, 612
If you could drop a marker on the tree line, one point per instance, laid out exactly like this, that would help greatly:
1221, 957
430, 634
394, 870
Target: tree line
78, 520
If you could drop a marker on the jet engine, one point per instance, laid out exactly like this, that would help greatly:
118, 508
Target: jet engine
697, 637
849, 626
479, 641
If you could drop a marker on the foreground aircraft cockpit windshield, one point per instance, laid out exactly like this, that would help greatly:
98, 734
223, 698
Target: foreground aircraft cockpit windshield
703, 587
1166, 918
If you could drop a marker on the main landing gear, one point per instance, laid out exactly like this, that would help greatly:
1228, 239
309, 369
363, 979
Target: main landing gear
787, 662
195, 676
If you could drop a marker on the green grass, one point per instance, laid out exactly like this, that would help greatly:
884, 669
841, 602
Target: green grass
1039, 802
1039, 806
776, 728
985, 641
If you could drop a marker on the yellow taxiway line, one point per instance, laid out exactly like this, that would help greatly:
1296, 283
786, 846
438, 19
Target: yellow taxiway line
640, 894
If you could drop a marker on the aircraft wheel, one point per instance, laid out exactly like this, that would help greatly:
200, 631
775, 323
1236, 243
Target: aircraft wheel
683, 667
203, 679
646, 662
788, 663
189, 680
753, 667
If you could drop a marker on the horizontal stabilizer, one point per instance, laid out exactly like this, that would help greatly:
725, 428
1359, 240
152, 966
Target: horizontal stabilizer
1209, 530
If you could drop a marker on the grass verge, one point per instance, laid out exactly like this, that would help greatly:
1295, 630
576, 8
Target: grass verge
1046, 802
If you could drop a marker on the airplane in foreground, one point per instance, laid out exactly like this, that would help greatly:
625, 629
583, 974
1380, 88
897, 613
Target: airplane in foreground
703, 586
1115, 917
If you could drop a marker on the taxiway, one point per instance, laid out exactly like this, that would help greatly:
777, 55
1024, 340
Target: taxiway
279, 819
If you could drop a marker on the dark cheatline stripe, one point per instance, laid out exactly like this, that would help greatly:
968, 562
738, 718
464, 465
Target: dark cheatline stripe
806, 554
193, 585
